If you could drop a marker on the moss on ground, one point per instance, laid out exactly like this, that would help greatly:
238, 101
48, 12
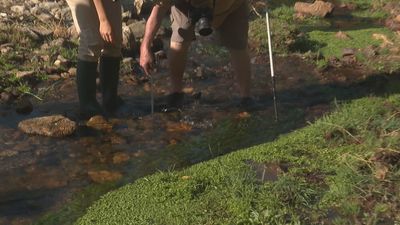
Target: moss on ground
341, 170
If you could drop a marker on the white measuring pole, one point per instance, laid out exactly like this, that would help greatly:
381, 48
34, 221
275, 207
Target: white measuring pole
271, 63
270, 46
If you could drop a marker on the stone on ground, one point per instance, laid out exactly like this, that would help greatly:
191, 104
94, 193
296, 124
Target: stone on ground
51, 126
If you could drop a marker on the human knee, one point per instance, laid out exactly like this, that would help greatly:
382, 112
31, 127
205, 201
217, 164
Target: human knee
89, 53
112, 51
180, 46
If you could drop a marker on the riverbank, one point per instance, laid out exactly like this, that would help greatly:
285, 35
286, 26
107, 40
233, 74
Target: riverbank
341, 169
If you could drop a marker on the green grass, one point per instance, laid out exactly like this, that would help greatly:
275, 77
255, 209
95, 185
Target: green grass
359, 39
368, 4
330, 177
282, 27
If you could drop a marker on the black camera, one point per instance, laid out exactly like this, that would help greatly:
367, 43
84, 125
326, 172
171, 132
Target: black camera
201, 17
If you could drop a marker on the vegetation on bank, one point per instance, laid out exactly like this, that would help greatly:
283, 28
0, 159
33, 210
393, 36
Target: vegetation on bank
343, 169
325, 39
27, 58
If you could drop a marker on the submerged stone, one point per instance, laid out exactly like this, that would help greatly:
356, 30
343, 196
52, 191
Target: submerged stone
51, 126
104, 176
99, 123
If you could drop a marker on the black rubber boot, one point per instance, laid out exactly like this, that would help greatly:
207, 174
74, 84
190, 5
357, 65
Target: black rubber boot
86, 84
109, 78
175, 102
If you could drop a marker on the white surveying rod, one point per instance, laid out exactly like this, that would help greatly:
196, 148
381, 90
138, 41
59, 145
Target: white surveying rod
271, 63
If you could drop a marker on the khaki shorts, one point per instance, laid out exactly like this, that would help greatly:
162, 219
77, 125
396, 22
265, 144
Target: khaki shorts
91, 44
233, 33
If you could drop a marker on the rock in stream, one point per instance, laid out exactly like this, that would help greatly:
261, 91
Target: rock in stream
51, 126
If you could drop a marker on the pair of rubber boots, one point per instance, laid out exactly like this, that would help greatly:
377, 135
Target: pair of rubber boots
86, 85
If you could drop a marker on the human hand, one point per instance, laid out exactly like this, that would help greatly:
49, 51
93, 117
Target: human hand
106, 31
146, 60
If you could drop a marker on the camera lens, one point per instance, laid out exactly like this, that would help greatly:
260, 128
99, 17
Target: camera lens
204, 26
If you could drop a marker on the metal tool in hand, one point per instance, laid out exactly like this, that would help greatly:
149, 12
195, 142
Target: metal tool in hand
271, 63
140, 71
156, 59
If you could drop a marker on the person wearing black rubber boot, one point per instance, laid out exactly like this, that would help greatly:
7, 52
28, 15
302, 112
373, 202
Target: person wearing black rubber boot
99, 25
109, 77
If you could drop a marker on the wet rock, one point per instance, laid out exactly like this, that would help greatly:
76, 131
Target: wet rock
137, 29
61, 61
178, 127
104, 176
128, 61
120, 158
54, 77
99, 123
31, 33
7, 153
142, 6
18, 9
139, 154
6, 97
42, 31
23, 74
318, 8
117, 140
128, 40
72, 71
126, 15
45, 17
24, 106
65, 75
52, 70
49, 5
36, 10
6, 50
52, 126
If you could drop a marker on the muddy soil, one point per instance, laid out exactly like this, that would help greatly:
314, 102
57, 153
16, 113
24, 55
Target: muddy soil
39, 174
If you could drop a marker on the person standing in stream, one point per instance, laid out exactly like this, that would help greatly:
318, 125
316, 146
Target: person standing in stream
99, 24
230, 20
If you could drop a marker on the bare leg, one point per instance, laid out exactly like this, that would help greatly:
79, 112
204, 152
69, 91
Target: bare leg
177, 63
241, 64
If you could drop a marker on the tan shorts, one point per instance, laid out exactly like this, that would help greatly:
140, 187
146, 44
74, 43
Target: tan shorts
86, 21
233, 33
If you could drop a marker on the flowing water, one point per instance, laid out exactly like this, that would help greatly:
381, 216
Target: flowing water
39, 175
